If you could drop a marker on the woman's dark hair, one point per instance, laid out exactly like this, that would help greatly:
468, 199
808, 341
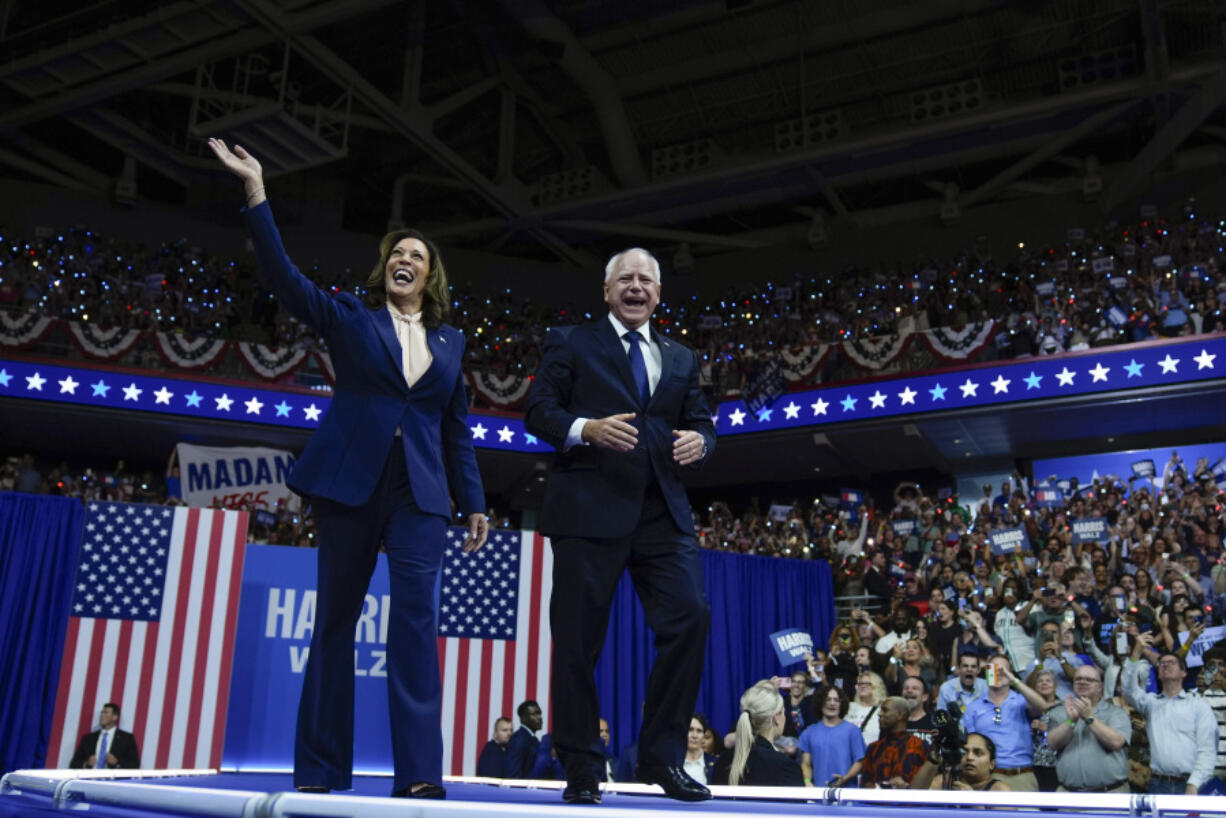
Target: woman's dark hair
824, 693
702, 719
435, 298
988, 743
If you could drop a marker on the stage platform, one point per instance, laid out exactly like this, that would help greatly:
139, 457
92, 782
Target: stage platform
153, 794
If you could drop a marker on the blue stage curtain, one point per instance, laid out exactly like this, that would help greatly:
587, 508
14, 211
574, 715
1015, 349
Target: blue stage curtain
39, 540
751, 598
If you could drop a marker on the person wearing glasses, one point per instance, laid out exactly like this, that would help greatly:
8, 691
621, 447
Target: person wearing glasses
1004, 715
1091, 735
1181, 726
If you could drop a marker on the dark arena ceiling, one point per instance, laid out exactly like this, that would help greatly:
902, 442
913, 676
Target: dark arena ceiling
561, 130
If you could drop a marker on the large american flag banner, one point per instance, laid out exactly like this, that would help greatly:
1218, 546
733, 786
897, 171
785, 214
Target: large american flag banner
154, 609
494, 640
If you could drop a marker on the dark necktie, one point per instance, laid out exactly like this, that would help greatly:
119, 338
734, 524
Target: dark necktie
638, 366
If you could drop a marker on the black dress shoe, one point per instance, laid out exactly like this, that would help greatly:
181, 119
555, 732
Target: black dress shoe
675, 781
582, 790
421, 790
313, 789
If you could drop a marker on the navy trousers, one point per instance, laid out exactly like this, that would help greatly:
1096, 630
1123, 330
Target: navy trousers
349, 539
668, 579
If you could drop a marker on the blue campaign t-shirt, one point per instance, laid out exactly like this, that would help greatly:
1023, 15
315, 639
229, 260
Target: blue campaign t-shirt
832, 749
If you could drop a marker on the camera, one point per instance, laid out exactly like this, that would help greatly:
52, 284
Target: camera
947, 743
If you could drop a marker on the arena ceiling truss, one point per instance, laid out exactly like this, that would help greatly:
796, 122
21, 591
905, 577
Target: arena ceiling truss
559, 130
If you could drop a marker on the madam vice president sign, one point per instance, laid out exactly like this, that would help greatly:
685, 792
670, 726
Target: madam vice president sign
231, 477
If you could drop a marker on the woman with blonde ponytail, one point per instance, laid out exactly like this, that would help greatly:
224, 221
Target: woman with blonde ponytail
754, 761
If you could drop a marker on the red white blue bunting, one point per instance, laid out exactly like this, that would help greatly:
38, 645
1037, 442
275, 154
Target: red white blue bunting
876, 353
97, 342
188, 353
505, 392
19, 331
799, 364
959, 344
268, 362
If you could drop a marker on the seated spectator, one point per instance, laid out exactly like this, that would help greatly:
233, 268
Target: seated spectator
523, 745
490, 762
108, 747
697, 763
754, 761
831, 749
894, 759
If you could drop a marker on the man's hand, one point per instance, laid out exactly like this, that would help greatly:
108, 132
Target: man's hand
687, 446
111, 760
478, 531
91, 762
1190, 789
614, 432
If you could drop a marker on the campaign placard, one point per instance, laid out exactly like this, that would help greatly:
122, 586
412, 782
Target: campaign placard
1048, 497
791, 645
1196, 653
903, 528
1009, 540
1090, 529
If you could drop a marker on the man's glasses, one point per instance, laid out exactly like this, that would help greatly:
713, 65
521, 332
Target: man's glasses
1167, 662
996, 715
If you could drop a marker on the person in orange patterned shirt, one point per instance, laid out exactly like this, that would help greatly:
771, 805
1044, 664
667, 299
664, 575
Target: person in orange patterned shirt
894, 759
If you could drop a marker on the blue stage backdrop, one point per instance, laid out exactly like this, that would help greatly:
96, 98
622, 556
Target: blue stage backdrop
751, 597
40, 538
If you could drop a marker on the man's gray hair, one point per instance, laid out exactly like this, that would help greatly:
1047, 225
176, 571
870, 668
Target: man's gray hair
617, 257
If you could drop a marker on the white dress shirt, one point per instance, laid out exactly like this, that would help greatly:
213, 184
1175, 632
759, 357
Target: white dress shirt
652, 357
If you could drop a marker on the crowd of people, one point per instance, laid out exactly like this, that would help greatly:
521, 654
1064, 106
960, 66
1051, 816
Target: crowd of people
1086, 666
1165, 279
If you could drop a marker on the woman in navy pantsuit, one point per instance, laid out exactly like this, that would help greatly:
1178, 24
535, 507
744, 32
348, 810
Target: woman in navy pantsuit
377, 471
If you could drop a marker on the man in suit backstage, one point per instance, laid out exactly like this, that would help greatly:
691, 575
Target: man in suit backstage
622, 406
107, 748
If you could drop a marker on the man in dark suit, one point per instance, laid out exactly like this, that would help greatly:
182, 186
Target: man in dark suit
490, 762
621, 405
107, 748
523, 746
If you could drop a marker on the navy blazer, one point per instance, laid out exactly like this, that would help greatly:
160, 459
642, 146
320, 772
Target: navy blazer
345, 457
585, 372
521, 754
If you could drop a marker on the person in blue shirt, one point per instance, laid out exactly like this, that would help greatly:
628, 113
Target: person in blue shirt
1004, 716
831, 749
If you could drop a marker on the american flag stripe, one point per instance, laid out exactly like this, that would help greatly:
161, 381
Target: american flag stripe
484, 678
169, 668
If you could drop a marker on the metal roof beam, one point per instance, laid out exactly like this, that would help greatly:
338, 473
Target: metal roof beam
163, 68
1190, 116
508, 200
